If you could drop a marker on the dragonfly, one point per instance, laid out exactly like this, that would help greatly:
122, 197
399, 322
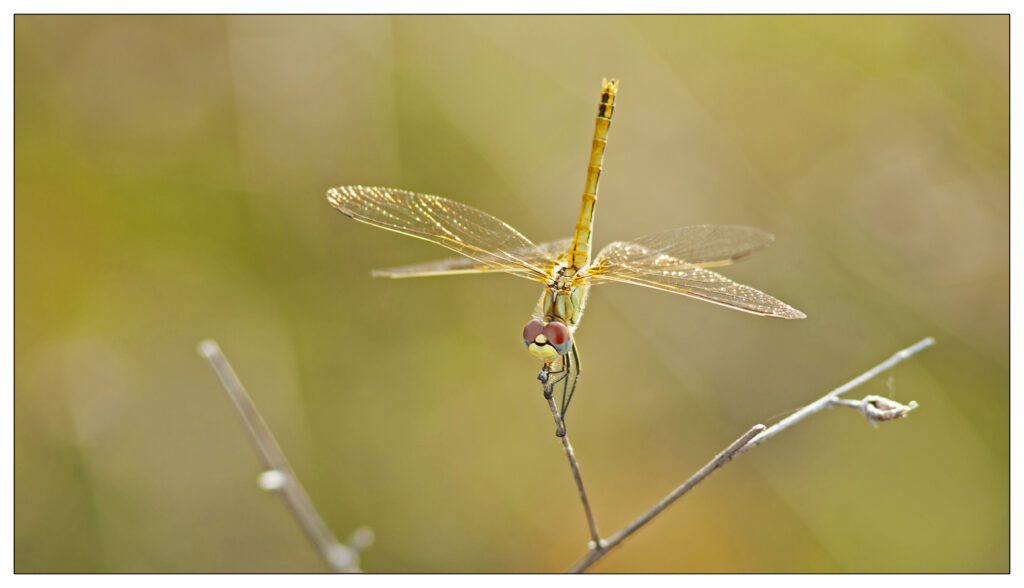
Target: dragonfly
675, 261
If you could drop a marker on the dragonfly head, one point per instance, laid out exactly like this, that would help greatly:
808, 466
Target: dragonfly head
547, 341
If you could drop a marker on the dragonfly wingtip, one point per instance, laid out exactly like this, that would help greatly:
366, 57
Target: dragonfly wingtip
333, 196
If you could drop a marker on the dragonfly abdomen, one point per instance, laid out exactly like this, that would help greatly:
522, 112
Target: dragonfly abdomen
579, 253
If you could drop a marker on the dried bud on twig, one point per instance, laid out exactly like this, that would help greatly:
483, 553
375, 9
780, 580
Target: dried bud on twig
878, 409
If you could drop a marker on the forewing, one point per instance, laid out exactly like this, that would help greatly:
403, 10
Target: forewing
465, 265
649, 262
484, 239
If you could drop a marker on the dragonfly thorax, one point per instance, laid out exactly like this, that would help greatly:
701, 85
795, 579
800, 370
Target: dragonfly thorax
561, 277
560, 284
564, 304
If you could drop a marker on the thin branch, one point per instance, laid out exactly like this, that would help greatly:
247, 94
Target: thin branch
721, 459
830, 398
595, 536
279, 476
875, 408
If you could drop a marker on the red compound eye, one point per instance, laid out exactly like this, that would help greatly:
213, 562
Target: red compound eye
532, 329
557, 333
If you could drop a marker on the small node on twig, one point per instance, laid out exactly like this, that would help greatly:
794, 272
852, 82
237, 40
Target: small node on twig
362, 539
272, 480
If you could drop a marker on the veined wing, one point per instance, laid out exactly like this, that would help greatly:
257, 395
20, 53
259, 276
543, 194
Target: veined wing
676, 261
464, 265
694, 246
475, 234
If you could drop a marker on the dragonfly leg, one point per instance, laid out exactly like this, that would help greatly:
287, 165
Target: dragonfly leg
549, 386
567, 392
575, 379
567, 364
565, 389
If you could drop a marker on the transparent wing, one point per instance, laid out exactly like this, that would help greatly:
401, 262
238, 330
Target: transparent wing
676, 261
694, 246
470, 232
465, 265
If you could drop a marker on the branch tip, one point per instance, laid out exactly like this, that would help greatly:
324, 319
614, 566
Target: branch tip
208, 348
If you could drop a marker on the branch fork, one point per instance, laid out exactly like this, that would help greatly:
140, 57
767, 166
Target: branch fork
876, 409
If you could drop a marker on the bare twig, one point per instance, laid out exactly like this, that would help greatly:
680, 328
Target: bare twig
721, 459
279, 476
595, 536
875, 408
830, 398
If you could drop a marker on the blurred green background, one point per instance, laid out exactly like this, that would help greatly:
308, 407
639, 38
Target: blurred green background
170, 180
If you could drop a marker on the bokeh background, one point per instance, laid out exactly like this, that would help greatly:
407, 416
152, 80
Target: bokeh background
170, 179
